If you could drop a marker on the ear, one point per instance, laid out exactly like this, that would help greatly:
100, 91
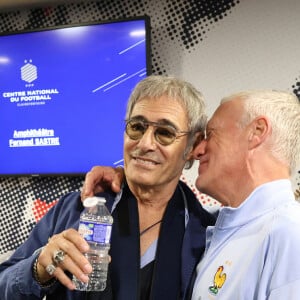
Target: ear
260, 129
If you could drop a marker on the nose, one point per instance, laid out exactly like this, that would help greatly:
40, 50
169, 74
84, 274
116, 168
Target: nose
199, 150
148, 141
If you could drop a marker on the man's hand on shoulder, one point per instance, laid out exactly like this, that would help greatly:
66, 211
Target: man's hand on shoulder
101, 179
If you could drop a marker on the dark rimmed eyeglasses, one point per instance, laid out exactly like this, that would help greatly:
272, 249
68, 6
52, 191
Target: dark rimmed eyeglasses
163, 134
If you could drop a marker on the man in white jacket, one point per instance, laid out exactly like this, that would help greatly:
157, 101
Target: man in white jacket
252, 146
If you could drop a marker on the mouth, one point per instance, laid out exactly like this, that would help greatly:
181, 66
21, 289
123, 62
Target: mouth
145, 162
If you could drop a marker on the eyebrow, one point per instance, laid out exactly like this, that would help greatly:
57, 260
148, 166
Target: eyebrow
164, 122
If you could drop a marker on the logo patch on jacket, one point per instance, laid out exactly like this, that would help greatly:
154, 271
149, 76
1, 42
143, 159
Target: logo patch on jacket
219, 280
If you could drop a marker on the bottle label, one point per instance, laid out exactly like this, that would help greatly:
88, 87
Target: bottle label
95, 232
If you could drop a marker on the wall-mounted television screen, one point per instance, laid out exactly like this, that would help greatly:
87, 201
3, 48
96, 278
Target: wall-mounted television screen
63, 95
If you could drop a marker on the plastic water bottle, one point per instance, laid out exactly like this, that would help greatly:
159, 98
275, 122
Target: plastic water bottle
95, 226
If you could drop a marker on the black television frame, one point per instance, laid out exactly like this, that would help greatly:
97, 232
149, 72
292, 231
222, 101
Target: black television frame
144, 18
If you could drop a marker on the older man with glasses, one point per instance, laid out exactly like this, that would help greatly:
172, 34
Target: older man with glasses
158, 234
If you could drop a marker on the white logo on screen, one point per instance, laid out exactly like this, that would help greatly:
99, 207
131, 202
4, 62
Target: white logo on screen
29, 71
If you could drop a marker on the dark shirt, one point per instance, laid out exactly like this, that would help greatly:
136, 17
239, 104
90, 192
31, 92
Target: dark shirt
145, 281
179, 248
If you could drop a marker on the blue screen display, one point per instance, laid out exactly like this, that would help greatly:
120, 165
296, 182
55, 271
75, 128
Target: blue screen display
63, 95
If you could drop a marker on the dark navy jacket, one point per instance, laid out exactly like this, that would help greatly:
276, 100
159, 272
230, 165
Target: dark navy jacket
180, 246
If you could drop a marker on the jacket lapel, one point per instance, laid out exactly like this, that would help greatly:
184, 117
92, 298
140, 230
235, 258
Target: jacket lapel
125, 249
167, 268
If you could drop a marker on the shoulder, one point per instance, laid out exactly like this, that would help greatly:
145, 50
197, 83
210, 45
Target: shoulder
64, 214
283, 245
71, 200
283, 237
286, 223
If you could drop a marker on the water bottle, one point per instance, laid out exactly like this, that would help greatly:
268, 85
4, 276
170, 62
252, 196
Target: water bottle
95, 226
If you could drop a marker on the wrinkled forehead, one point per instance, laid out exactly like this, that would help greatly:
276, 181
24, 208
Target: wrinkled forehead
230, 108
228, 112
161, 108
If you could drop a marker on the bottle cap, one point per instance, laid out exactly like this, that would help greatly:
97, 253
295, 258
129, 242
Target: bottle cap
92, 201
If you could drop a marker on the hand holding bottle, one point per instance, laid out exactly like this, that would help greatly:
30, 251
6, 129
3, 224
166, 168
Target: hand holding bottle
71, 246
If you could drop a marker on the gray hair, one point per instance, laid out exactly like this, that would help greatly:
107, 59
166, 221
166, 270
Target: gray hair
283, 110
183, 92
